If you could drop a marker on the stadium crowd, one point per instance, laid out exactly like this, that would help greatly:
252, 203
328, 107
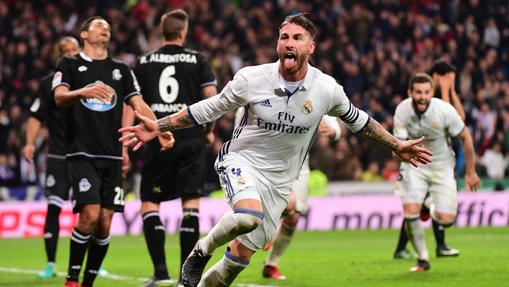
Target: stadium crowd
371, 47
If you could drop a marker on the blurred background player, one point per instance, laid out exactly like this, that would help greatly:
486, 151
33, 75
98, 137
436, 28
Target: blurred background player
443, 75
329, 127
94, 86
44, 110
172, 78
419, 115
284, 103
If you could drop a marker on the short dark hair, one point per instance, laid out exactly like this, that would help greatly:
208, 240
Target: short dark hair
301, 20
173, 23
419, 78
441, 67
86, 24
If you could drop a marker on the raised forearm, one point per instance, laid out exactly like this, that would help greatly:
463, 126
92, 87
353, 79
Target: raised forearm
468, 150
180, 120
456, 103
376, 132
64, 97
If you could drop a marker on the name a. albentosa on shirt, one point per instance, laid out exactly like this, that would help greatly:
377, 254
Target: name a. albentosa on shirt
281, 127
165, 58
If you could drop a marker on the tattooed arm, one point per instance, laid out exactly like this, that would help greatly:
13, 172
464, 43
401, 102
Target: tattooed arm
407, 151
180, 120
377, 133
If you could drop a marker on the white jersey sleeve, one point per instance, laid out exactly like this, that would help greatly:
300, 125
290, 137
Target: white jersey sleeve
400, 130
453, 121
233, 95
333, 123
342, 108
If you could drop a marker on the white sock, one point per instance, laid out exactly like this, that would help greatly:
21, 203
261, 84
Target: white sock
416, 236
231, 225
223, 272
279, 244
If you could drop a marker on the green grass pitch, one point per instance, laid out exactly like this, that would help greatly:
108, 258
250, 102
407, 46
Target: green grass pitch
342, 258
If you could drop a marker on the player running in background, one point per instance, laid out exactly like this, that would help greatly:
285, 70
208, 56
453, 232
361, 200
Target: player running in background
94, 86
443, 75
284, 104
171, 78
44, 110
422, 115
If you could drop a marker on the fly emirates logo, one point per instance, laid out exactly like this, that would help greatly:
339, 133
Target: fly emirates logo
285, 124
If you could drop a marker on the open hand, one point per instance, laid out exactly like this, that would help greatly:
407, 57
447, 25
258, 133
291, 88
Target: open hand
136, 136
410, 152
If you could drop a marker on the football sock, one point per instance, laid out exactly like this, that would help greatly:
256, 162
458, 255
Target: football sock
51, 231
189, 232
96, 253
155, 234
279, 244
439, 232
224, 272
416, 236
231, 225
78, 246
403, 238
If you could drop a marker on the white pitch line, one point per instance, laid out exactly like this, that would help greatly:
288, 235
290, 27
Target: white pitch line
254, 285
109, 276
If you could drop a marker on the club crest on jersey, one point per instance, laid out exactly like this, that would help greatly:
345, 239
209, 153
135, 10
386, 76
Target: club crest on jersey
116, 75
82, 68
98, 105
307, 107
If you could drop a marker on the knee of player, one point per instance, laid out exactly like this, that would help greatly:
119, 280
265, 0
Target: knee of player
445, 219
248, 219
89, 219
292, 218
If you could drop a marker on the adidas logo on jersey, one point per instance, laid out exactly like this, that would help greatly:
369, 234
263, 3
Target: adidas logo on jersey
266, 103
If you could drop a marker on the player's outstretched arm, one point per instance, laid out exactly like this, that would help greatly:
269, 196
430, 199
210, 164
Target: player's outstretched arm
472, 181
148, 129
407, 151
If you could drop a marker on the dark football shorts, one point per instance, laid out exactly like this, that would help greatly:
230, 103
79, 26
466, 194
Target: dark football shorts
57, 179
96, 181
177, 172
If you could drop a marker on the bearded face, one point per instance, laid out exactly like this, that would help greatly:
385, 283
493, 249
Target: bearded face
294, 47
421, 94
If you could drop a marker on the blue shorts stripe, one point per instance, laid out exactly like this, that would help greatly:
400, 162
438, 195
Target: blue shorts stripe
236, 259
253, 212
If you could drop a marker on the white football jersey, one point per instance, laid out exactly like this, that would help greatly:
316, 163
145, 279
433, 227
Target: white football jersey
277, 128
438, 124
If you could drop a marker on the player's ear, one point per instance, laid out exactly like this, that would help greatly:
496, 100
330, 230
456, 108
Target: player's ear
84, 35
409, 93
312, 47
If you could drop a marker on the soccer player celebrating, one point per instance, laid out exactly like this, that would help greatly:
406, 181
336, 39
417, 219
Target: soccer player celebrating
94, 86
172, 78
422, 115
443, 75
284, 103
44, 110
